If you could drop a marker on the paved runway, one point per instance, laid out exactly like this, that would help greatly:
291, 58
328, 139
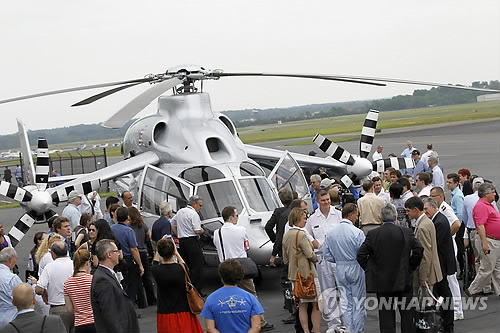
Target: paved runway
475, 146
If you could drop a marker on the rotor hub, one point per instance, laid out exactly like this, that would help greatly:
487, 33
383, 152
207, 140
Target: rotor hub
40, 202
362, 167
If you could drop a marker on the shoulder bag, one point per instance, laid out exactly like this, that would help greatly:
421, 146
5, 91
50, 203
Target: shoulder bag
304, 288
249, 267
195, 301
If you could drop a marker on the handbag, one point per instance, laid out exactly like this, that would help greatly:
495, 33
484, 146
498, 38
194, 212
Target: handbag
304, 288
429, 320
195, 301
250, 269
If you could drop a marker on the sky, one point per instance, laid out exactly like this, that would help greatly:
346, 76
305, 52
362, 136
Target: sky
49, 45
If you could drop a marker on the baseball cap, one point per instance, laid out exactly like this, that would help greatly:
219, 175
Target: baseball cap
312, 153
477, 181
73, 194
415, 152
326, 182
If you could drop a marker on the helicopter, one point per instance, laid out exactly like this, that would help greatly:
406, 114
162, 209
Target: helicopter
186, 148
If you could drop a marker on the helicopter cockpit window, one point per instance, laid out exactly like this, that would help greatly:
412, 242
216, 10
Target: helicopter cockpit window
216, 196
158, 187
249, 169
259, 194
201, 174
288, 175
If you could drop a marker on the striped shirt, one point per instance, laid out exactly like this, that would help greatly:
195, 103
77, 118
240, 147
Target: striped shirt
78, 289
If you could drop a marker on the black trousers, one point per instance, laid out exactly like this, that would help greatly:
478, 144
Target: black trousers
147, 283
459, 239
443, 289
190, 251
131, 277
388, 302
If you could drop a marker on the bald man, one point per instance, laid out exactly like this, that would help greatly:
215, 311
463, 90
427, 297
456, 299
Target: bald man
27, 320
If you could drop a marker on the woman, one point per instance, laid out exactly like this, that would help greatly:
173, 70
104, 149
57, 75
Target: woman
298, 253
77, 292
142, 235
173, 313
4, 239
32, 263
80, 234
103, 231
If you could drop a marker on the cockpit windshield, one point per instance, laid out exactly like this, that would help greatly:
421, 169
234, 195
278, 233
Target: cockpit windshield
259, 194
216, 196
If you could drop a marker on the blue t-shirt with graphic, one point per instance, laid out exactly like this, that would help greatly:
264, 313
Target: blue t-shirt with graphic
231, 308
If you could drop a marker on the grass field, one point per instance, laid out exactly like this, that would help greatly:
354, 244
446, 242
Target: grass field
353, 123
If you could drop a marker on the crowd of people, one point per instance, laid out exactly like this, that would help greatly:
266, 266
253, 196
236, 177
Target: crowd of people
395, 236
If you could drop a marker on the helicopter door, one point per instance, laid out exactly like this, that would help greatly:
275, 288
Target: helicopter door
157, 185
288, 174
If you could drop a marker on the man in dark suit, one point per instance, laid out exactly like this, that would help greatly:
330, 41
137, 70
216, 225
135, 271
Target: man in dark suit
27, 320
446, 259
389, 255
113, 310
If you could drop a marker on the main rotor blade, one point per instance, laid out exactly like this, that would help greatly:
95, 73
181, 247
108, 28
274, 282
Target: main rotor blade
135, 106
63, 91
368, 133
14, 192
302, 76
21, 227
96, 97
394, 162
42, 164
332, 149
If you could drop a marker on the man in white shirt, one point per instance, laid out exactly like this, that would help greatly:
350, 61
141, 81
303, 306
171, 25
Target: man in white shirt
72, 211
437, 194
186, 225
319, 223
91, 204
377, 155
235, 245
437, 173
423, 184
52, 281
425, 156
379, 191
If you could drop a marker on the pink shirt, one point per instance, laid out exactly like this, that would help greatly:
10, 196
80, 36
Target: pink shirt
485, 214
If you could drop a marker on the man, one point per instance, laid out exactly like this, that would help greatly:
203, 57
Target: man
285, 196
423, 184
71, 211
61, 227
427, 154
186, 225
407, 193
379, 191
91, 204
326, 183
56, 174
113, 310
313, 188
19, 175
369, 208
377, 155
437, 194
319, 223
487, 220
341, 247
407, 153
457, 204
8, 281
465, 183
7, 174
27, 320
131, 266
128, 199
231, 309
107, 215
396, 190
429, 271
162, 226
446, 260
52, 282
231, 242
437, 173
419, 165
389, 255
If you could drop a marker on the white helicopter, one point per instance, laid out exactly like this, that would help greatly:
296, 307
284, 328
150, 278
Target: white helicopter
186, 148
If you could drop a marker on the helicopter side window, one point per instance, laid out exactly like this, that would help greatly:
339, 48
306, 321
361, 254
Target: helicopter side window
259, 194
289, 175
249, 169
216, 196
201, 174
158, 188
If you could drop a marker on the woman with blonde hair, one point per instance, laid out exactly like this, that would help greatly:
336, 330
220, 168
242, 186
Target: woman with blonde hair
77, 292
299, 254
